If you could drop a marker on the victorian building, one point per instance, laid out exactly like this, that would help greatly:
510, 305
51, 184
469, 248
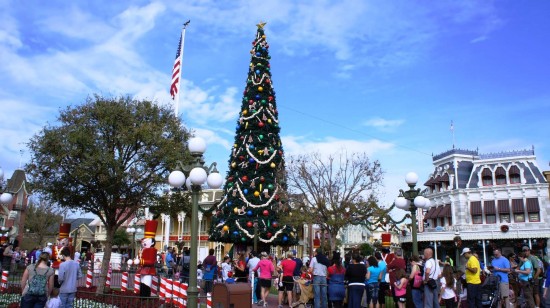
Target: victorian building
483, 201
13, 212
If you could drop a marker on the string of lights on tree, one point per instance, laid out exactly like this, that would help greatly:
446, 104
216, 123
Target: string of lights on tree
255, 190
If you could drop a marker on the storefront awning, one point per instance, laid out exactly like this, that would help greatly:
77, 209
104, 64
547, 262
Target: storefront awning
533, 205
503, 207
489, 207
517, 206
475, 208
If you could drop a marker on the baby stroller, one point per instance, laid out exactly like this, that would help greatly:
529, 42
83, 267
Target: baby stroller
306, 293
490, 292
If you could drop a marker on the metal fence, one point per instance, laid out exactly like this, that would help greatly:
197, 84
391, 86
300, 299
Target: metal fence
10, 290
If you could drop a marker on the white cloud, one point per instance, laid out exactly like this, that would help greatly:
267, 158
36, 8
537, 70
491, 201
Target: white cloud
383, 124
296, 145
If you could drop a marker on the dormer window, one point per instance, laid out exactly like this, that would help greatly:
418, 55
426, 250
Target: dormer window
487, 177
500, 176
514, 175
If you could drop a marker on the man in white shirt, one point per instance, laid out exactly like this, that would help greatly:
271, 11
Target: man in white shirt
48, 248
318, 267
431, 271
226, 268
253, 277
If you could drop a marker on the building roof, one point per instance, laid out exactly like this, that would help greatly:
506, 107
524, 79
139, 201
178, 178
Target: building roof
77, 222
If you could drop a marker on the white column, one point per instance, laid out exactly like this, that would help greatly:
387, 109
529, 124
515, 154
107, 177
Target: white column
181, 219
200, 222
484, 253
163, 220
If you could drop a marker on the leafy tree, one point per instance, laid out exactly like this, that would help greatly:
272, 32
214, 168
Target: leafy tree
366, 249
107, 156
334, 192
42, 219
121, 238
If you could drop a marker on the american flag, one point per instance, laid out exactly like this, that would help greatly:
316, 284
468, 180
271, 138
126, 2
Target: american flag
174, 88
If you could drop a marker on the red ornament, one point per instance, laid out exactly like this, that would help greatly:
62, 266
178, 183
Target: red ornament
275, 224
251, 101
270, 98
269, 235
268, 80
244, 178
276, 197
266, 212
262, 179
261, 124
249, 224
230, 179
241, 157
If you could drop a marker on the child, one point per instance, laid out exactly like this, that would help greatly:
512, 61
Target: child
230, 279
400, 285
54, 301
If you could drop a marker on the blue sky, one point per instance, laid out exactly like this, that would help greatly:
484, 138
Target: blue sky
381, 77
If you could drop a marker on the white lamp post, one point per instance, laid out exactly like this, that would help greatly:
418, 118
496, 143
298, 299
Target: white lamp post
198, 175
411, 200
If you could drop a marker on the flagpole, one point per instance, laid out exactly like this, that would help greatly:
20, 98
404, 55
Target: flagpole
177, 97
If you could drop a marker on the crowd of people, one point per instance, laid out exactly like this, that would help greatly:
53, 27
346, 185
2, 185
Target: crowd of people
366, 281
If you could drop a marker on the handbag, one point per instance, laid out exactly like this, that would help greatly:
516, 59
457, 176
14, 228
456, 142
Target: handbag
432, 284
417, 283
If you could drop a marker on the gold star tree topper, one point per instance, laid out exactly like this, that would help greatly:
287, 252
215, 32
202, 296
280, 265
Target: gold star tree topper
261, 25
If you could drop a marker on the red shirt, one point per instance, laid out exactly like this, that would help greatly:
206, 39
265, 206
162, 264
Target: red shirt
394, 265
288, 266
334, 270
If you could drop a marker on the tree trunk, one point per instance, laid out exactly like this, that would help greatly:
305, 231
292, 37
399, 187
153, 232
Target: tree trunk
110, 234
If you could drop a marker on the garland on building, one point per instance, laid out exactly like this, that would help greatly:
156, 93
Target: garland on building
255, 190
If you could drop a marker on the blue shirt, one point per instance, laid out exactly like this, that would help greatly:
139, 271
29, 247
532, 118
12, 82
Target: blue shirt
374, 273
547, 283
69, 273
526, 265
169, 260
384, 267
501, 262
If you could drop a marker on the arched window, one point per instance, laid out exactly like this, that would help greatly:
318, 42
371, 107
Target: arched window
514, 174
500, 176
487, 177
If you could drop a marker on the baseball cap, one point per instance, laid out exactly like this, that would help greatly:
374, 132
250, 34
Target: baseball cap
525, 248
465, 250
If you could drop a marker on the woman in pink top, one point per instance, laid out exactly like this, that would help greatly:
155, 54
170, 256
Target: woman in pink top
266, 272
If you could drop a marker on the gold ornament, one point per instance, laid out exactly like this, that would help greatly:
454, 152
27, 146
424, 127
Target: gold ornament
236, 210
269, 121
245, 112
260, 89
233, 165
256, 193
225, 228
273, 165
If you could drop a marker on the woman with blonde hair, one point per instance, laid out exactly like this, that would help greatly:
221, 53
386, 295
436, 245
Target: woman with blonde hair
37, 283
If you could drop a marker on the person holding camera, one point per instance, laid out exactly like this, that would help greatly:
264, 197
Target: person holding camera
525, 276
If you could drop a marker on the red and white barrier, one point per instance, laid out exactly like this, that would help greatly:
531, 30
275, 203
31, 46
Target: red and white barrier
154, 286
137, 281
108, 280
124, 282
208, 300
183, 294
169, 291
162, 292
4, 283
89, 276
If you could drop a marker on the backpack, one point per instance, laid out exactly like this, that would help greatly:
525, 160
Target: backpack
37, 285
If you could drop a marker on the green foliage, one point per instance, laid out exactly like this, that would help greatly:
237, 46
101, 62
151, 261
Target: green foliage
255, 188
366, 249
108, 157
171, 204
42, 219
121, 238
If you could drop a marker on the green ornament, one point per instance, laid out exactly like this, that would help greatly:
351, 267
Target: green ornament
230, 184
259, 64
270, 186
261, 137
243, 239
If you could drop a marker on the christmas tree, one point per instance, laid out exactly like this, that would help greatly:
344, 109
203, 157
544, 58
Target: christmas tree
255, 191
